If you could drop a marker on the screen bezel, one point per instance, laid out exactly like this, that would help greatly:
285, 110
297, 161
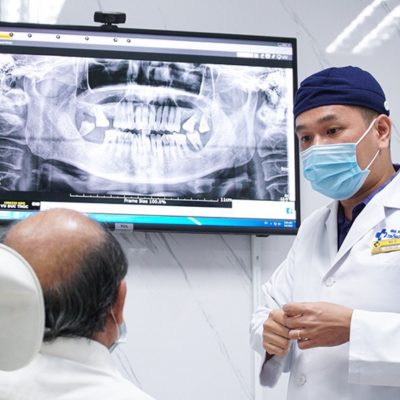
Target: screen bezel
180, 227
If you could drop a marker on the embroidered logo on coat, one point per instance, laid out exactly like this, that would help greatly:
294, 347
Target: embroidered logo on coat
388, 234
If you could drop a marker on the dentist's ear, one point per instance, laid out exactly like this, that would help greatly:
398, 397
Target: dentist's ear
383, 125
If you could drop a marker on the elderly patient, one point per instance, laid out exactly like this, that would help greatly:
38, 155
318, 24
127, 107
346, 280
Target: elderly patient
81, 268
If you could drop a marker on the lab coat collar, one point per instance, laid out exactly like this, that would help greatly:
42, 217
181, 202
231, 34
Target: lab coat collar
375, 209
391, 194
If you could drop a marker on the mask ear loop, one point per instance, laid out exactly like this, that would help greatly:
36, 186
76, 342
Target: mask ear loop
376, 155
366, 132
121, 329
362, 137
113, 317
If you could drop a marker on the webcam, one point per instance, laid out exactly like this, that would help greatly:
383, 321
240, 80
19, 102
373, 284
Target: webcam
109, 18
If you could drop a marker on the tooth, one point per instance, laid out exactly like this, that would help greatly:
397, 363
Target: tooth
159, 149
109, 137
169, 126
120, 117
158, 121
184, 144
180, 141
145, 120
148, 143
144, 143
86, 127
101, 119
118, 114
152, 117
145, 116
125, 115
164, 120
146, 132
194, 138
110, 141
139, 143
134, 147
153, 145
130, 121
165, 140
128, 138
138, 117
123, 146
118, 151
203, 127
128, 143
188, 126
173, 146
181, 145
177, 121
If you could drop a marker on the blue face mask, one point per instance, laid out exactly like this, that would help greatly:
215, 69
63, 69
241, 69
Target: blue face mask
121, 334
333, 170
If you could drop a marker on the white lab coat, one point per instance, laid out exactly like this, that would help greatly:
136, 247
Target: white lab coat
69, 369
368, 366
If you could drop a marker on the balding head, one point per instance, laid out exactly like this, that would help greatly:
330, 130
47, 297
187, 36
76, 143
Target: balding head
79, 265
54, 242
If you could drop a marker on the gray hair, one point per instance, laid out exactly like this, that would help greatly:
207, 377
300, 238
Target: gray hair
79, 304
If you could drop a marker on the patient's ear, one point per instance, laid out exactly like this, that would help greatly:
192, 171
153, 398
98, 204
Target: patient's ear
118, 307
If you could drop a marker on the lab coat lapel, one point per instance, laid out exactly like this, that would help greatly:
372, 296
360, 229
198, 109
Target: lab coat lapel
331, 228
373, 213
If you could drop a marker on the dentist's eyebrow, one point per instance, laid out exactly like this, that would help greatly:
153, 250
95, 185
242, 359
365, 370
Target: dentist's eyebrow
326, 118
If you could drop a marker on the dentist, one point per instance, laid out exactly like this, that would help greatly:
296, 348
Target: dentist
332, 309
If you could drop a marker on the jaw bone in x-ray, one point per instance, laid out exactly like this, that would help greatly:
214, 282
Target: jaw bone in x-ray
141, 127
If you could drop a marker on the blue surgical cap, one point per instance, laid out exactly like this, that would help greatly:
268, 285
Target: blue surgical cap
340, 86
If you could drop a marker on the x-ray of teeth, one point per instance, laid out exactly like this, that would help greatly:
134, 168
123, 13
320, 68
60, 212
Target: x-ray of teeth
143, 127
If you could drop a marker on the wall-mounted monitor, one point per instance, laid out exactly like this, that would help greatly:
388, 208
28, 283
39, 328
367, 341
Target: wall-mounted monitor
155, 130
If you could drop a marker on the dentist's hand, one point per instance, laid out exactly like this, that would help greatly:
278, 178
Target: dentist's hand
318, 324
276, 338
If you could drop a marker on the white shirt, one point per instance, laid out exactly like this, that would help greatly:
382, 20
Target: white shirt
69, 369
368, 366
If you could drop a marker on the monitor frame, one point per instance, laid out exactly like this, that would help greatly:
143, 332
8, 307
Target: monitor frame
17, 203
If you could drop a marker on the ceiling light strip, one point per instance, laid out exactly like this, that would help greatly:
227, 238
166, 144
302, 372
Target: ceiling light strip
383, 31
348, 31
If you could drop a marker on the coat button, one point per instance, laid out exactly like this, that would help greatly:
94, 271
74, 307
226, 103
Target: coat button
330, 281
301, 380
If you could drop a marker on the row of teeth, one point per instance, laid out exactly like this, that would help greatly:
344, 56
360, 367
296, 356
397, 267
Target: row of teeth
125, 146
147, 118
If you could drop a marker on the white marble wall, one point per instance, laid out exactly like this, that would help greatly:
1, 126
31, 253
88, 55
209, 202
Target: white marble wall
190, 296
188, 308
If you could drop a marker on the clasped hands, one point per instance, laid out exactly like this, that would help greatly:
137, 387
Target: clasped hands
313, 324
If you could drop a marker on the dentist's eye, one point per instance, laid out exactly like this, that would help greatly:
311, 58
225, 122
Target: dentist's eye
305, 139
332, 131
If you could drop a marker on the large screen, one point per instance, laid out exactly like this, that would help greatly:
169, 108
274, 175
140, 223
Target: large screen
149, 130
